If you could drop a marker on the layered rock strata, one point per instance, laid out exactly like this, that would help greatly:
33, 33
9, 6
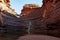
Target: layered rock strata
9, 22
45, 20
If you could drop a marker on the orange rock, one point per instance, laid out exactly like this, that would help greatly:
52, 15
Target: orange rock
28, 8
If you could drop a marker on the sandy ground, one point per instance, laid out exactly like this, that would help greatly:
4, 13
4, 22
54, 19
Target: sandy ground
37, 37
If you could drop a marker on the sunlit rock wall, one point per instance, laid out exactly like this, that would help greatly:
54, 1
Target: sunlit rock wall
5, 5
28, 8
9, 23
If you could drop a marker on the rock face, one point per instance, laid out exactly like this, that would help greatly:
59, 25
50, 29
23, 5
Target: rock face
45, 20
9, 23
28, 8
5, 5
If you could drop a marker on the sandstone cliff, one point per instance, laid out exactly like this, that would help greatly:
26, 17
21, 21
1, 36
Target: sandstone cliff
28, 8
5, 5
45, 20
9, 22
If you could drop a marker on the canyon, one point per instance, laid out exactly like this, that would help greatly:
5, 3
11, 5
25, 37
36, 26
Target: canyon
33, 20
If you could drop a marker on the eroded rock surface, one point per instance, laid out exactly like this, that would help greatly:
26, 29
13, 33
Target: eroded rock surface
45, 20
9, 22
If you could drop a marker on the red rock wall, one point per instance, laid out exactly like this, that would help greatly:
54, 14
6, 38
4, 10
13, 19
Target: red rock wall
28, 9
46, 20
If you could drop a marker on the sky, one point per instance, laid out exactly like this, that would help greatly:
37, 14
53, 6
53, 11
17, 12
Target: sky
18, 4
